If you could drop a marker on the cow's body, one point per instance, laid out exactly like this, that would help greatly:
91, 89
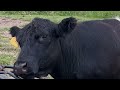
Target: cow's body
90, 51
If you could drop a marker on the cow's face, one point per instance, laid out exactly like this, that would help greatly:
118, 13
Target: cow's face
40, 46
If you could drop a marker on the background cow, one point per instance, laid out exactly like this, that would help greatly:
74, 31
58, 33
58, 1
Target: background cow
69, 50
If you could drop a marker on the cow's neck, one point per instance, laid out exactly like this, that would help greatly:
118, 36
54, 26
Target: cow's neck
64, 67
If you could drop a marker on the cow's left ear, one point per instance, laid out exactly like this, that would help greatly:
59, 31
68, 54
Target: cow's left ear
66, 26
14, 31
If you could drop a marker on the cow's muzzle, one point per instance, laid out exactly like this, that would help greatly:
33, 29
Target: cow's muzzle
20, 68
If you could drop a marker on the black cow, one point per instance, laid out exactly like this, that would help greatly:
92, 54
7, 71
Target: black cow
69, 50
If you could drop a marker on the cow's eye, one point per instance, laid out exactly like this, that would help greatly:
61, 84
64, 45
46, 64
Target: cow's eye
42, 38
45, 36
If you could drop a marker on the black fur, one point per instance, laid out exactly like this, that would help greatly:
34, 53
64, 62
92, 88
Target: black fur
66, 26
71, 50
14, 30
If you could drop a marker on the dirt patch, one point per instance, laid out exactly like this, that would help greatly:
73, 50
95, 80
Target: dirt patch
6, 34
8, 22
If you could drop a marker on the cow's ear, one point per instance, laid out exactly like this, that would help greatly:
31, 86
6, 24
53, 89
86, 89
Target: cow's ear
14, 31
66, 26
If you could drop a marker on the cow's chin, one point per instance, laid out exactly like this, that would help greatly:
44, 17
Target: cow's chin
32, 75
27, 76
41, 74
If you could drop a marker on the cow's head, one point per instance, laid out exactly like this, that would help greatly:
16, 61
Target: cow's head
40, 47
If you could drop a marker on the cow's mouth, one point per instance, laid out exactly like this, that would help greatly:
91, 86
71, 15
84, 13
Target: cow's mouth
26, 76
42, 73
32, 75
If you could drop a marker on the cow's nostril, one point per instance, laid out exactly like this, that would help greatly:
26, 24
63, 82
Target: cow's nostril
23, 65
20, 68
24, 70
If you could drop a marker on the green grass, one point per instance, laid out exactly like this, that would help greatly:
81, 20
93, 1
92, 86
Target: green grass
52, 18
6, 59
8, 53
58, 15
98, 14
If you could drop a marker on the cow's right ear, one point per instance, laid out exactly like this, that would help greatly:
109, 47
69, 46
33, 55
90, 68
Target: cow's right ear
66, 26
14, 31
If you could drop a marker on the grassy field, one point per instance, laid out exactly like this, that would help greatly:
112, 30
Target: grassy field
8, 53
93, 14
